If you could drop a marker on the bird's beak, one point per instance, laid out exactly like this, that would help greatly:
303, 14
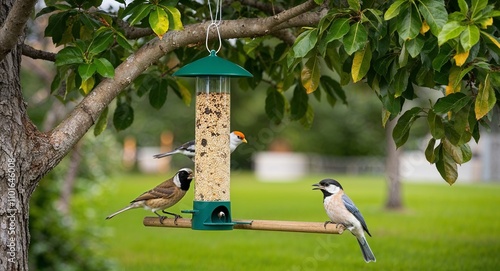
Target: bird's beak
191, 175
244, 140
317, 186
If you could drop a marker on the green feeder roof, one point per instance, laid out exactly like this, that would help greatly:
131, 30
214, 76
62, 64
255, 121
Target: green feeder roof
212, 65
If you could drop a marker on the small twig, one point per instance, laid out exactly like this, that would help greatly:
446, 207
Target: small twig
38, 54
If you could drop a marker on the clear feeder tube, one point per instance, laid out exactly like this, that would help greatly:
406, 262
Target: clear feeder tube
212, 128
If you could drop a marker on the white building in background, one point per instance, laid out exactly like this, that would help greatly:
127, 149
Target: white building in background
483, 167
290, 166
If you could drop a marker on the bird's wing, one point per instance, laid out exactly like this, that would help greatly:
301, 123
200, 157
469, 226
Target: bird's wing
164, 190
349, 204
188, 146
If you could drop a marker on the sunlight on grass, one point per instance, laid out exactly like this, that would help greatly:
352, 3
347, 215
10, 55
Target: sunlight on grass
441, 228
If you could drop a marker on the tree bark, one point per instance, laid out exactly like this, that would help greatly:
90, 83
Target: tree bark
394, 193
17, 142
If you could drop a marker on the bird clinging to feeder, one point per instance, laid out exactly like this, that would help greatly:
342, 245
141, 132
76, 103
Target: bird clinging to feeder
188, 149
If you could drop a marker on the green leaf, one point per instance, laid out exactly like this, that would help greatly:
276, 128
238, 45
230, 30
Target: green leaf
123, 116
101, 42
409, 23
444, 55
460, 154
477, 7
123, 42
69, 55
275, 105
310, 74
104, 67
139, 12
436, 126
446, 167
158, 94
305, 42
46, 10
308, 118
414, 46
57, 26
86, 71
354, 4
485, 99
394, 9
464, 8
434, 13
87, 85
158, 20
451, 30
182, 91
361, 63
333, 90
339, 28
469, 37
401, 131
355, 39
451, 102
251, 47
299, 103
466, 153
461, 121
175, 18
400, 82
102, 122
451, 134
429, 151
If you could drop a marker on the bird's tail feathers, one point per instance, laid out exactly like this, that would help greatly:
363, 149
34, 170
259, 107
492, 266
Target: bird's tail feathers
131, 206
165, 154
366, 250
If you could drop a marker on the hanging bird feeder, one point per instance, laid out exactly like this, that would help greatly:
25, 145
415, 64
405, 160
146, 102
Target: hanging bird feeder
211, 206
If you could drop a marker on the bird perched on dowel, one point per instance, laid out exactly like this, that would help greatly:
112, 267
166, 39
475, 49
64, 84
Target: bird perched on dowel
163, 196
188, 148
342, 211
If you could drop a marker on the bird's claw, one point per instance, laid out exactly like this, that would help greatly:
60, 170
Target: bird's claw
162, 218
326, 223
175, 219
342, 228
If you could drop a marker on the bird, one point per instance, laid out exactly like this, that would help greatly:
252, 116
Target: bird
342, 211
188, 148
163, 196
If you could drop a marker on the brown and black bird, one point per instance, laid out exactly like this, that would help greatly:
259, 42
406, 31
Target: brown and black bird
163, 196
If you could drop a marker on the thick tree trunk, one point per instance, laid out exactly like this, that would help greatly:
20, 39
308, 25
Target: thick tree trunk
23, 161
394, 193
16, 186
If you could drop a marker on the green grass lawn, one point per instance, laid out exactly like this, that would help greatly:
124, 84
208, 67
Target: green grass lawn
441, 228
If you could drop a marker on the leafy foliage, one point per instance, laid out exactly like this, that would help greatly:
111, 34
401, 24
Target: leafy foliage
395, 47
71, 241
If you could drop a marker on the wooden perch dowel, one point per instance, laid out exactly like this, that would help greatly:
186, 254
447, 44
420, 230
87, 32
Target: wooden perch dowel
262, 225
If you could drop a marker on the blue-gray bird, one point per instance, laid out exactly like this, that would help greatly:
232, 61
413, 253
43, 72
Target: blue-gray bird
341, 210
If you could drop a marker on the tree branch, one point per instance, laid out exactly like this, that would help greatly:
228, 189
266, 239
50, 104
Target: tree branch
270, 9
13, 26
38, 54
133, 32
83, 116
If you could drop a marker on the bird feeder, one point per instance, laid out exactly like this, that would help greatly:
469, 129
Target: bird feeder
212, 206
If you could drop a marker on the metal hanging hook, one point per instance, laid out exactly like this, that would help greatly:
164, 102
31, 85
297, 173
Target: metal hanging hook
215, 22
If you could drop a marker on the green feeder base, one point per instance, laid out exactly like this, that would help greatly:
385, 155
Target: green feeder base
211, 215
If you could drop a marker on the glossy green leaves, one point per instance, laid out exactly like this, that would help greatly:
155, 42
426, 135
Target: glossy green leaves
159, 15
